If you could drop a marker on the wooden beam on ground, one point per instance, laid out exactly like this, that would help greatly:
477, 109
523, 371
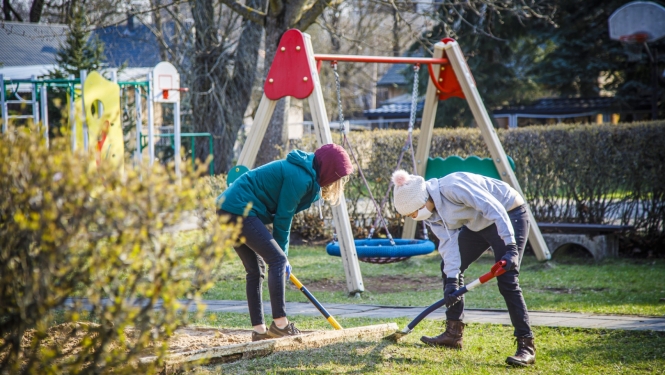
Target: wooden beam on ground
247, 350
425, 136
466, 81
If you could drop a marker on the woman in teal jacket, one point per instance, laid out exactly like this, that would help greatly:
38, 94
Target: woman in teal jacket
274, 193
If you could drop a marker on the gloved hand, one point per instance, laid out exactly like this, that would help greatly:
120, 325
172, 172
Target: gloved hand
451, 287
511, 257
288, 270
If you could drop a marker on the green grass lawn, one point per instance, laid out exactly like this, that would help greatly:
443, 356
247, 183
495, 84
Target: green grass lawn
486, 346
617, 286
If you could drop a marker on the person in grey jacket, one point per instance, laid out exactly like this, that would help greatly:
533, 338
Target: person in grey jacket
470, 213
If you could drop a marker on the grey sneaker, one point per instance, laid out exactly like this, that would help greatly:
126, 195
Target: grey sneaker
289, 330
260, 336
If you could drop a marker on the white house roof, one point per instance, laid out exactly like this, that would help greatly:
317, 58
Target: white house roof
30, 44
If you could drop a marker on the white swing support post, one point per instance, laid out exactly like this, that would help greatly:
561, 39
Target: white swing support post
454, 54
251, 147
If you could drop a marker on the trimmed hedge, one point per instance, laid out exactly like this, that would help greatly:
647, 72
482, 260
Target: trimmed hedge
606, 174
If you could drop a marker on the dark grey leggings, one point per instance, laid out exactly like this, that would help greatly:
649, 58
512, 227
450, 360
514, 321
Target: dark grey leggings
473, 244
258, 249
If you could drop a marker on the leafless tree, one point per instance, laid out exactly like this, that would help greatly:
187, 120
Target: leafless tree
216, 45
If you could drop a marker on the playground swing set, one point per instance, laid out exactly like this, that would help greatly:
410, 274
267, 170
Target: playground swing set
294, 72
100, 100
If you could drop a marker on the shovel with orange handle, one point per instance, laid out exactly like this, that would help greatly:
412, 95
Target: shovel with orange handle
496, 270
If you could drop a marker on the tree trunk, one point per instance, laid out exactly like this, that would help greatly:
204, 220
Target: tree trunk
7, 10
157, 20
396, 48
36, 10
219, 97
276, 135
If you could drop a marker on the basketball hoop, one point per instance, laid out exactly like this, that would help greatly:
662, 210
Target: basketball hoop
165, 92
632, 45
635, 25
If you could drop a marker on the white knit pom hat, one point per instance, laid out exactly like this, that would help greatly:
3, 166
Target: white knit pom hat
410, 192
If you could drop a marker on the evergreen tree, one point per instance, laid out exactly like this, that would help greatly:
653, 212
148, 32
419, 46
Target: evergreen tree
501, 62
579, 48
79, 52
582, 61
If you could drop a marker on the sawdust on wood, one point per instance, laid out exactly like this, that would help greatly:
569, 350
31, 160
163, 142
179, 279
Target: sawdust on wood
194, 338
67, 338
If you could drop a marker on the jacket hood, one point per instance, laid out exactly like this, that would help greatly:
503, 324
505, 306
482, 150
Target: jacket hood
434, 190
303, 159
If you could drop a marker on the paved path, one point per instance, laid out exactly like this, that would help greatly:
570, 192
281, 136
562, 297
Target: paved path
494, 316
538, 318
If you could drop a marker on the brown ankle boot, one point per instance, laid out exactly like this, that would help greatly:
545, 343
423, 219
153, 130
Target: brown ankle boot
526, 352
451, 338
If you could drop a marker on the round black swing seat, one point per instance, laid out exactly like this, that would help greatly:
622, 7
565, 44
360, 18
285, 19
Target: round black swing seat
381, 251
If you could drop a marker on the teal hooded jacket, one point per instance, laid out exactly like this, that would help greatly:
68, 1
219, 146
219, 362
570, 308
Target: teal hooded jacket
274, 193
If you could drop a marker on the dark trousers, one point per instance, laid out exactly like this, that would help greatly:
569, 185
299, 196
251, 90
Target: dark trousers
473, 244
259, 247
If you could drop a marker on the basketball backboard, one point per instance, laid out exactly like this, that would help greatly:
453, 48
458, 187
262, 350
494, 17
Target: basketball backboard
166, 83
638, 22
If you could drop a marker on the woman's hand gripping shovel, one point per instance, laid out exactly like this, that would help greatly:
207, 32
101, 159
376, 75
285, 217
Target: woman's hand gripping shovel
496, 270
316, 303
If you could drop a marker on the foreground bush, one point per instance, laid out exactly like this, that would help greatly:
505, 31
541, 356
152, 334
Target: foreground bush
71, 230
606, 174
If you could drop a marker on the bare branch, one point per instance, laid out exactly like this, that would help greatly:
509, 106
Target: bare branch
310, 15
246, 12
158, 34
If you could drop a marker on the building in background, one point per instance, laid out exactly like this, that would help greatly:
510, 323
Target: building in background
29, 49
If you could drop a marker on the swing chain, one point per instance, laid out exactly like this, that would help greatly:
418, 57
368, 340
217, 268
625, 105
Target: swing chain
412, 122
414, 98
345, 142
340, 112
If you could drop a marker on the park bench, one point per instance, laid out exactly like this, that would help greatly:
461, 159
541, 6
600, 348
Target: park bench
598, 239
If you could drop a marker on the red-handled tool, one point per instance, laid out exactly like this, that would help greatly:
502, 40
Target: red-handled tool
496, 270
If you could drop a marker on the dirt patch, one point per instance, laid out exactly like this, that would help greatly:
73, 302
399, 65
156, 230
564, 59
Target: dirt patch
68, 337
193, 338
378, 284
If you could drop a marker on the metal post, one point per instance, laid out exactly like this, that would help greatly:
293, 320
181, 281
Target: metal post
72, 111
84, 75
211, 153
176, 135
3, 102
192, 148
151, 124
44, 105
139, 123
35, 105
653, 64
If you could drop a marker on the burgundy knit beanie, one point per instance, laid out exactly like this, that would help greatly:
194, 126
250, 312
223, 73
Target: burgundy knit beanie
332, 163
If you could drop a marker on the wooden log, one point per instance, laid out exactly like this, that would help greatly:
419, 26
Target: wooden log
312, 340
